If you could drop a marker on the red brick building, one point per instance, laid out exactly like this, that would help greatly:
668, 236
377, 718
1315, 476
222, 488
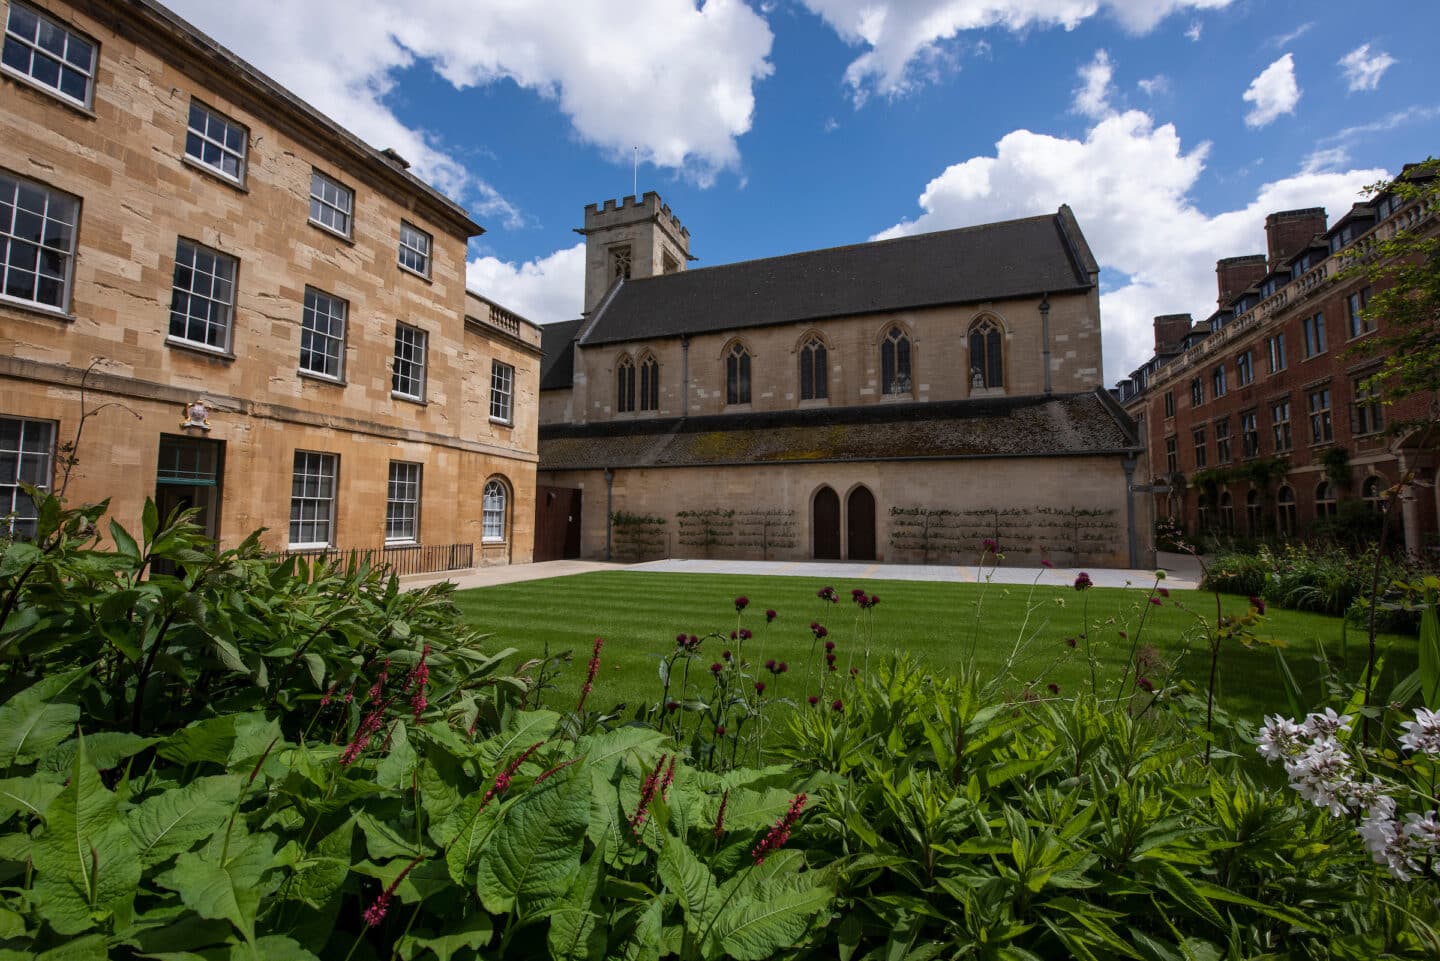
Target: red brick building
1257, 417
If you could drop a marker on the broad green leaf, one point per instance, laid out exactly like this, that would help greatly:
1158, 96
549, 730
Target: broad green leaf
682, 872
84, 861
225, 883
754, 929
39, 717
535, 849
577, 928
463, 940
321, 875
394, 769
30, 796
428, 877
527, 728
175, 820
207, 740
271, 947
466, 833
106, 750
12, 925
124, 543
643, 942
383, 841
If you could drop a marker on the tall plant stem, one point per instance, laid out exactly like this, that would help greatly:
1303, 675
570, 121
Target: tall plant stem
1370, 621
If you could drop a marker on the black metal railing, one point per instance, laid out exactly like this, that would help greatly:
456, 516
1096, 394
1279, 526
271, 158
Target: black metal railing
398, 559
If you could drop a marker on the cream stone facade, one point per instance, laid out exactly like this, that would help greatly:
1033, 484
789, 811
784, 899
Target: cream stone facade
319, 308
816, 405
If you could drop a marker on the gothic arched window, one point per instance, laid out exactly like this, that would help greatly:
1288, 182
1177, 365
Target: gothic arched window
649, 383
987, 361
737, 375
1324, 501
813, 382
895, 362
625, 385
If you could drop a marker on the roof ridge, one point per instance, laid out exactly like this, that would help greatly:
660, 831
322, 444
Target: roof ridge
851, 246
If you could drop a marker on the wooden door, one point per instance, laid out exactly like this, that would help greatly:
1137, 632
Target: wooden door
860, 524
825, 525
557, 523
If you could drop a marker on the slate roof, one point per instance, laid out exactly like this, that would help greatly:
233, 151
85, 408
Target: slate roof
1055, 426
988, 262
557, 365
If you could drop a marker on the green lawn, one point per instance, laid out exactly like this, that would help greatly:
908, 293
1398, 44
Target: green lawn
1019, 632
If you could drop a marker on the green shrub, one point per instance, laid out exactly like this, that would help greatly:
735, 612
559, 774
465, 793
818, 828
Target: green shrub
1239, 573
256, 759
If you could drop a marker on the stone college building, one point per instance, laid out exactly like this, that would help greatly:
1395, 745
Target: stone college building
266, 318
902, 401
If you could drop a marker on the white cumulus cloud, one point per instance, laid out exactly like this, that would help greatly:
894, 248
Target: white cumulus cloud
903, 39
1092, 97
1129, 181
673, 78
1364, 69
544, 290
1274, 92
1154, 86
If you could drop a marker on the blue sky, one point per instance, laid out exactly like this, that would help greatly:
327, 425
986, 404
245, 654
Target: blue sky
1170, 126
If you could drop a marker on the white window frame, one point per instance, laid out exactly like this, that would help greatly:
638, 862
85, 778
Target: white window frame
320, 304
49, 219
331, 199
408, 366
416, 249
203, 136
502, 392
11, 493
320, 467
42, 48
402, 502
203, 290
494, 505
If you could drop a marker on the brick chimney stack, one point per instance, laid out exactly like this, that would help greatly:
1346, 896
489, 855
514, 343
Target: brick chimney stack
1234, 275
1170, 331
1290, 231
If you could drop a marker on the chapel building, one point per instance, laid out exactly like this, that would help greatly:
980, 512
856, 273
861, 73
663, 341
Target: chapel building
900, 400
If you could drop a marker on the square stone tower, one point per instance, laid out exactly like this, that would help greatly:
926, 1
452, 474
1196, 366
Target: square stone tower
630, 239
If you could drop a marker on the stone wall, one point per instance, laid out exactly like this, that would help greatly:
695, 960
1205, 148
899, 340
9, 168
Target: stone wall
939, 360
1041, 508
125, 161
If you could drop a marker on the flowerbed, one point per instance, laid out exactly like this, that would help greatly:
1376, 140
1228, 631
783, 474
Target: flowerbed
252, 759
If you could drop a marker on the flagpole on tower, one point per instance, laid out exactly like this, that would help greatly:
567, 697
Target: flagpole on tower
635, 174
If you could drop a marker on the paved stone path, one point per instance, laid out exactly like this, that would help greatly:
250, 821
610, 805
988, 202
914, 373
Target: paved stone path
1181, 575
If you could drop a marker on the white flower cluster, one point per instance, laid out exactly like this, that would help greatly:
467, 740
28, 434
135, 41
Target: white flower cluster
1323, 773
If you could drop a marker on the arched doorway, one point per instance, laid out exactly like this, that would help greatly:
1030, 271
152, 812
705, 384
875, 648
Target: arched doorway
860, 524
825, 524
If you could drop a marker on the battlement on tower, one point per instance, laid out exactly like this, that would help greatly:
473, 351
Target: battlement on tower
628, 210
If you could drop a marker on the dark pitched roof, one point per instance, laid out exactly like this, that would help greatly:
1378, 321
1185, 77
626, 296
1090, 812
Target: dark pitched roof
1055, 426
557, 366
1013, 258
